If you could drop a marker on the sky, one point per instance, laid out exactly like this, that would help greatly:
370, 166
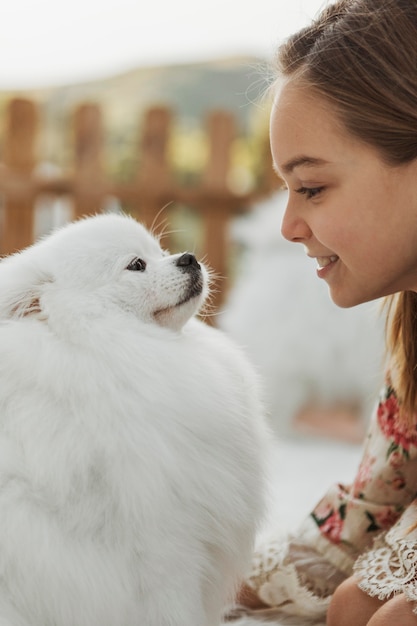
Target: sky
51, 42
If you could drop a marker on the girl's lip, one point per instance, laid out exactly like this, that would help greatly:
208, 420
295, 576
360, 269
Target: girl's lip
325, 265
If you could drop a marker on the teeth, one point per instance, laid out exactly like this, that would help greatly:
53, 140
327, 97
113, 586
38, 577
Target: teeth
322, 261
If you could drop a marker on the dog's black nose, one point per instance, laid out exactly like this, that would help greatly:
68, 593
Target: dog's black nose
188, 260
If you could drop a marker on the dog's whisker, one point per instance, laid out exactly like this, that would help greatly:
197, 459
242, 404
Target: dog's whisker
160, 229
204, 258
172, 231
154, 228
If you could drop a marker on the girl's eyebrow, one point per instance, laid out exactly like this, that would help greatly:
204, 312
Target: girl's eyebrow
290, 165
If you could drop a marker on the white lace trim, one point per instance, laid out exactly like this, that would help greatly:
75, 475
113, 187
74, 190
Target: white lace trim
279, 584
387, 570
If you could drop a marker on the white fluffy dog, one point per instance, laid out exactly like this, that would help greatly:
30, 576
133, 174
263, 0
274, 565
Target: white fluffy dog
131, 436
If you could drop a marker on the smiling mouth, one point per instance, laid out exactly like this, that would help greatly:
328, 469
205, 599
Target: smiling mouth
324, 261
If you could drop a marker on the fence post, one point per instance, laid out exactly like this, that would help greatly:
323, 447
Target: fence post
19, 162
89, 187
219, 200
153, 176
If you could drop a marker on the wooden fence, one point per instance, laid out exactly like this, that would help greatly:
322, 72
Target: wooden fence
151, 188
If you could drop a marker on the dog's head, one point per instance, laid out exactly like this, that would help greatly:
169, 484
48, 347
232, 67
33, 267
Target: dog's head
100, 264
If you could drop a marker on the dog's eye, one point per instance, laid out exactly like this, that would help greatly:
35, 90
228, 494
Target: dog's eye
137, 265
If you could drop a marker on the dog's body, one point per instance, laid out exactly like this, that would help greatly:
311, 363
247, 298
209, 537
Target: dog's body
131, 439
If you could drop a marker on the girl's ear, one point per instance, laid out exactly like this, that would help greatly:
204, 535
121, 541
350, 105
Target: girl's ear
21, 286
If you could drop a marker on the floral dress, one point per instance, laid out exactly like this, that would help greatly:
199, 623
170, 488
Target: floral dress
369, 527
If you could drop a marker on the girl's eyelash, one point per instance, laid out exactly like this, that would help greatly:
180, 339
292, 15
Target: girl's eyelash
310, 192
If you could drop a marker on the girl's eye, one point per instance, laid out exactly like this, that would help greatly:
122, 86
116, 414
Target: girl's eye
310, 192
137, 265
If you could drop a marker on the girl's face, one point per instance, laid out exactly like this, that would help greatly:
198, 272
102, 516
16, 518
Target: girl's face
352, 212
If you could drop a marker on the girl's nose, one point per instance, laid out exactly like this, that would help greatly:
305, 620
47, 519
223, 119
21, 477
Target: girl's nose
294, 227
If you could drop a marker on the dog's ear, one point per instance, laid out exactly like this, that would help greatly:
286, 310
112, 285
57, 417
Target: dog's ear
21, 285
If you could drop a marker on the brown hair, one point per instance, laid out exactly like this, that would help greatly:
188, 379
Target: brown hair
361, 55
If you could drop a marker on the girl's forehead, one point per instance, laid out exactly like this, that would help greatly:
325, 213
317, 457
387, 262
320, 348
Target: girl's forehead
305, 127
302, 105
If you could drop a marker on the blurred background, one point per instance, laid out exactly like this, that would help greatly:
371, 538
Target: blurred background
160, 109
53, 43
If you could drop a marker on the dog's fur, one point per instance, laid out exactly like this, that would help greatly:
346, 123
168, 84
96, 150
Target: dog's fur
131, 436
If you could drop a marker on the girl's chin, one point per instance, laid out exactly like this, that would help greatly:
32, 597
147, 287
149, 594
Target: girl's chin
348, 300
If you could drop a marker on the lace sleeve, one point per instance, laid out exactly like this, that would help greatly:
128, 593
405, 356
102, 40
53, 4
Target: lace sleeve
299, 574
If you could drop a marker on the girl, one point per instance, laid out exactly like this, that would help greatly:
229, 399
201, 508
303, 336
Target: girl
344, 139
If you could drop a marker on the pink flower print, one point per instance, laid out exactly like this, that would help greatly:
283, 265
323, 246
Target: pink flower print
398, 482
332, 527
323, 510
330, 520
386, 518
390, 425
396, 458
363, 476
